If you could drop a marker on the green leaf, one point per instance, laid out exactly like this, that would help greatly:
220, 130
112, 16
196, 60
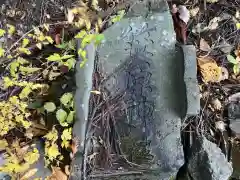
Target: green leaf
24, 50
35, 105
62, 46
66, 98
231, 59
49, 106
70, 63
70, 117
82, 53
66, 56
49, 39
25, 42
2, 51
61, 115
28, 70
81, 34
87, 39
236, 69
118, 17
99, 38
54, 57
2, 32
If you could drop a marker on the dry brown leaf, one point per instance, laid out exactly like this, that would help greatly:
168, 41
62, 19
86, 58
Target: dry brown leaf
57, 174
204, 46
67, 170
29, 174
210, 71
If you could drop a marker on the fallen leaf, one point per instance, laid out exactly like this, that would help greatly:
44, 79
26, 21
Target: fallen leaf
204, 46
210, 71
213, 24
57, 174
224, 75
67, 170
57, 39
225, 47
29, 174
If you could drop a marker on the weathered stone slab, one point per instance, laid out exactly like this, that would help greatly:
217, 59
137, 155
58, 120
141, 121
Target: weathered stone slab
140, 60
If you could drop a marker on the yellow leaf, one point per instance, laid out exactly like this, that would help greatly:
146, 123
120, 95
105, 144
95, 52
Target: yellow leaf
96, 92
53, 152
32, 156
67, 134
2, 51
3, 144
46, 26
29, 174
11, 29
88, 24
2, 32
25, 42
24, 50
49, 39
238, 25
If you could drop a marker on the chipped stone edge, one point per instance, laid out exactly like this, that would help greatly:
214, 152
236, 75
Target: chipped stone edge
190, 79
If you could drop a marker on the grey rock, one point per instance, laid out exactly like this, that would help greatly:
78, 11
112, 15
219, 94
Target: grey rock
208, 162
139, 59
234, 116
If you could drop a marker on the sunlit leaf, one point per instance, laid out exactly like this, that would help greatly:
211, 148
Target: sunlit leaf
25, 42
88, 24
2, 51
28, 70
96, 92
87, 39
70, 63
49, 39
2, 32
25, 92
39, 45
66, 56
61, 115
70, 117
99, 38
46, 26
53, 151
67, 134
238, 25
11, 29
66, 98
236, 69
24, 50
3, 144
29, 174
49, 106
231, 59
54, 57
118, 17
81, 34
82, 53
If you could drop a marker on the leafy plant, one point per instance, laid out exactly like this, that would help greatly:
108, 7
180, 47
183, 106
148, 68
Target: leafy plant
235, 62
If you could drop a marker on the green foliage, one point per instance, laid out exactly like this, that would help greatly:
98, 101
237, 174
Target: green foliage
49, 107
236, 64
118, 17
66, 99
